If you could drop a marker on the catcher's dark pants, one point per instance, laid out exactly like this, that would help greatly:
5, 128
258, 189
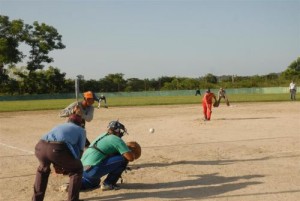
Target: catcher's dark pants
113, 166
58, 154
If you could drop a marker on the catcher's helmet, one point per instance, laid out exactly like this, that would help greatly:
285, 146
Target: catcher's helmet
117, 127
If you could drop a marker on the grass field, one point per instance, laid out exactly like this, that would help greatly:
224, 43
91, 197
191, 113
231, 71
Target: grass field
54, 104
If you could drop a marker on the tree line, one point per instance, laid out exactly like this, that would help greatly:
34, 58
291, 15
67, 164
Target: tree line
41, 39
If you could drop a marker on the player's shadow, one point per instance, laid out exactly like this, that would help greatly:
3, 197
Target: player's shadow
198, 180
203, 186
184, 162
17, 176
243, 118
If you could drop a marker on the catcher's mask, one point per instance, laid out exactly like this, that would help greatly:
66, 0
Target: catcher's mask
117, 127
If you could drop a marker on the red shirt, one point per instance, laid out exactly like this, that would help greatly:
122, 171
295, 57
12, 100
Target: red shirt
208, 97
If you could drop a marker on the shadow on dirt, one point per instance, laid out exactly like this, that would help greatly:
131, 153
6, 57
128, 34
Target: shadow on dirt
193, 189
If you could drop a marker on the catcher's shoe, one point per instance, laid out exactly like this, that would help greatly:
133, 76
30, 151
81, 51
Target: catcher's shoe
107, 187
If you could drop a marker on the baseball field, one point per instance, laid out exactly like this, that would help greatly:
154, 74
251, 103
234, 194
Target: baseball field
247, 152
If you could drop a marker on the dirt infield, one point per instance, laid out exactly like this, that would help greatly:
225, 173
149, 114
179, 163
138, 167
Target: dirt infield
246, 152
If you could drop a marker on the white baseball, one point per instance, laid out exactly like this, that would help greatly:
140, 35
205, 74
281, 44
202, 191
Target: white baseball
151, 130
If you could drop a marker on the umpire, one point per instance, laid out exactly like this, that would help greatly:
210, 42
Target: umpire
63, 147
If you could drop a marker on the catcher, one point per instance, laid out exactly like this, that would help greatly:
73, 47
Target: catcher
108, 155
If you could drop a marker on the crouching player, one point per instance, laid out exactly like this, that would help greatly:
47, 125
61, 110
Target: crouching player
107, 155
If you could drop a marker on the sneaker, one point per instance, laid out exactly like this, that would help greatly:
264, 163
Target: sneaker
107, 187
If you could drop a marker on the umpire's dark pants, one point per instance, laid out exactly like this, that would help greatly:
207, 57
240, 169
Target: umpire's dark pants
60, 155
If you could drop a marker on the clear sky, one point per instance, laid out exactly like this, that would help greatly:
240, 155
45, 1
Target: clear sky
154, 38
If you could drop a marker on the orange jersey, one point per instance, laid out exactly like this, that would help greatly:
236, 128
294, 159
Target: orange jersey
208, 98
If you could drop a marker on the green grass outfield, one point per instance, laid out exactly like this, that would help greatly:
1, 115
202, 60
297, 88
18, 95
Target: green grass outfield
57, 104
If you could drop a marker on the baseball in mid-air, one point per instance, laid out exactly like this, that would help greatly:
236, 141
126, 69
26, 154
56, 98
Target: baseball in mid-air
151, 130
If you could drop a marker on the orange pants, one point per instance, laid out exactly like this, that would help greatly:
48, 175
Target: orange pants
207, 110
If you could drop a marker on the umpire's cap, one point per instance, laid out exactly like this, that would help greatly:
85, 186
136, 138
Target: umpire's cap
76, 119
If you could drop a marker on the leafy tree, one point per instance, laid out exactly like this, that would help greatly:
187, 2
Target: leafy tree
210, 78
135, 84
152, 84
117, 82
92, 85
293, 70
190, 84
11, 33
55, 80
104, 85
42, 39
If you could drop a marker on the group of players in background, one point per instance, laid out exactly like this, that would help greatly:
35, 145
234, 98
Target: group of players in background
207, 101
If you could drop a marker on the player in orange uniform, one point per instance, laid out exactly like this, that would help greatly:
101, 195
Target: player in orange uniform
207, 104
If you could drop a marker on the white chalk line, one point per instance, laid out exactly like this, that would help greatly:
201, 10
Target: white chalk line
12, 147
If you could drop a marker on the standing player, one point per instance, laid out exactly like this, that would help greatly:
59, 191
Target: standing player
207, 104
84, 108
293, 90
222, 94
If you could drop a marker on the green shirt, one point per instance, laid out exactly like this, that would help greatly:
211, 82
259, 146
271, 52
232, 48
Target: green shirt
109, 144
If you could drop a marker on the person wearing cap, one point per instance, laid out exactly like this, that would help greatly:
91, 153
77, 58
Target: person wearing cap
207, 104
62, 147
222, 94
84, 108
107, 155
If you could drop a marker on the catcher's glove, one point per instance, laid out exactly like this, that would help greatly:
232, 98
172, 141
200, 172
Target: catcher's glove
135, 148
216, 104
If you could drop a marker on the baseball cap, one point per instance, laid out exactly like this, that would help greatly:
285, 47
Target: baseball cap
88, 94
